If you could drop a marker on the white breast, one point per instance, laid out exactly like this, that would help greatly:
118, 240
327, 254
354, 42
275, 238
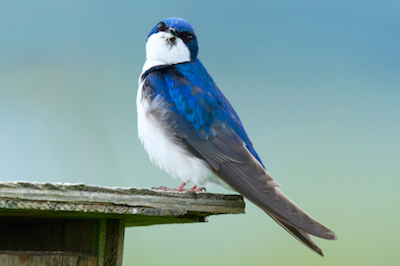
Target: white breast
163, 151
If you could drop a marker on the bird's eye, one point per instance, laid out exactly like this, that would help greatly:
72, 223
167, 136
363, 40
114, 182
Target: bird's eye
186, 36
161, 27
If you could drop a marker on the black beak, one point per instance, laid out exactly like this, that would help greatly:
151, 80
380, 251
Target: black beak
173, 32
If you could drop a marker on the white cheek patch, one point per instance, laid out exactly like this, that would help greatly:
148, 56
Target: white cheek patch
161, 51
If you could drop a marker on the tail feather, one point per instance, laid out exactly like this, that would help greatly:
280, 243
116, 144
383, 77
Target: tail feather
300, 235
231, 161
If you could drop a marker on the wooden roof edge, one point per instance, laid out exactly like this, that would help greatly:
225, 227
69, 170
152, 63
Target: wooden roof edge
75, 198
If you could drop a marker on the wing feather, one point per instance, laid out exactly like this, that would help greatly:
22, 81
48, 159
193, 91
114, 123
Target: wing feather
217, 136
236, 166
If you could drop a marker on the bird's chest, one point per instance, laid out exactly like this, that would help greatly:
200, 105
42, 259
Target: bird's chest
154, 133
161, 143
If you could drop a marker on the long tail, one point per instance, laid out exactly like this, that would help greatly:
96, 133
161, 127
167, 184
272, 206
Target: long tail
237, 167
300, 235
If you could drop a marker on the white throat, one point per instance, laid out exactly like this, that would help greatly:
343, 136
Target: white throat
160, 50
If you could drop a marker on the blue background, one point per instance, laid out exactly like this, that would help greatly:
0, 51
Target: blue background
316, 84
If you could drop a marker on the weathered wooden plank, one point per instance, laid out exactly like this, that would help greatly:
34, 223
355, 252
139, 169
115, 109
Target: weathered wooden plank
102, 242
63, 224
78, 236
114, 243
111, 242
202, 202
13, 260
4, 259
87, 261
40, 260
69, 260
134, 206
29, 258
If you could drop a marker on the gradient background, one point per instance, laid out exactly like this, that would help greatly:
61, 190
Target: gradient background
316, 83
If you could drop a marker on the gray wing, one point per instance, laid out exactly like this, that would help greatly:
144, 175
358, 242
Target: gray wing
231, 161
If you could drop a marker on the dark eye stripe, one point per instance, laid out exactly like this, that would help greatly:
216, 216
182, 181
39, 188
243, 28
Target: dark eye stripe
161, 27
186, 36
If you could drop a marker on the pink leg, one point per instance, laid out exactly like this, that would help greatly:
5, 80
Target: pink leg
180, 187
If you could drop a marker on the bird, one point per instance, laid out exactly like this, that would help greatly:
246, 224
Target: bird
190, 130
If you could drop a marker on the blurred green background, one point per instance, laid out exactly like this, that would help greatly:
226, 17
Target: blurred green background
316, 83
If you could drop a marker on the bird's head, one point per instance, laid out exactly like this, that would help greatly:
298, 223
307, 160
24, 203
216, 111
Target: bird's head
172, 41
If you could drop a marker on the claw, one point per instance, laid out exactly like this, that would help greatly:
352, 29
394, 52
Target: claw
197, 189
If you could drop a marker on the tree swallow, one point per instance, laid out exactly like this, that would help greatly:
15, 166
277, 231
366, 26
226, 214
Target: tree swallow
190, 130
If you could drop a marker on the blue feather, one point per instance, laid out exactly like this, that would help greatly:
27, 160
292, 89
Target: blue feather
191, 131
192, 94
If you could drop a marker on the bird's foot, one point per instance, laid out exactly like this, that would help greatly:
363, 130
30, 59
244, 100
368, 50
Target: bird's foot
181, 188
